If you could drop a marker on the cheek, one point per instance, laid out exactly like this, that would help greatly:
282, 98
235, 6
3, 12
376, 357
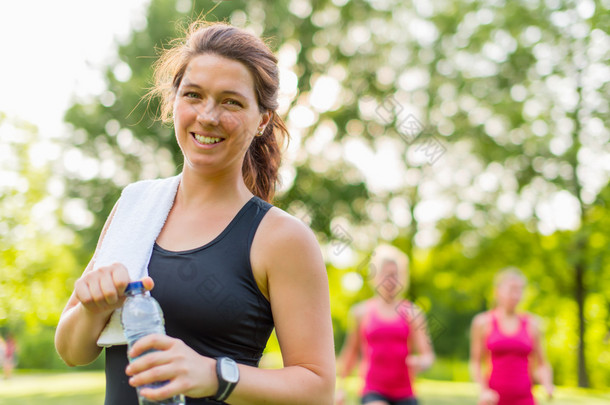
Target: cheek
232, 122
183, 113
178, 116
501, 296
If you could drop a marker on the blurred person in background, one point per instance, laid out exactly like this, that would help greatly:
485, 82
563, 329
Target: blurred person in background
10, 355
388, 334
509, 343
2, 351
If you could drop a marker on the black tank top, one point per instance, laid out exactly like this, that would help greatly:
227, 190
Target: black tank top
210, 300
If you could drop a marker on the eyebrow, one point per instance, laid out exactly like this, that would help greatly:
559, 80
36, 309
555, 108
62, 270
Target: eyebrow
232, 92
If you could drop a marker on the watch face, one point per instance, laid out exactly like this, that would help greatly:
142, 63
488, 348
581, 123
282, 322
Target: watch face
229, 370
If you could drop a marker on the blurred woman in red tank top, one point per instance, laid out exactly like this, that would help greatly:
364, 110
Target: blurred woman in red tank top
385, 330
509, 343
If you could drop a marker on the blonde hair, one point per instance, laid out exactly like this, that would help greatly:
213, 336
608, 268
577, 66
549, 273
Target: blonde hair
387, 253
508, 273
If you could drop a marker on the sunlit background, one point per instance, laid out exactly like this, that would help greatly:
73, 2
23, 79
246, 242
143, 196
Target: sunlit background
471, 134
55, 52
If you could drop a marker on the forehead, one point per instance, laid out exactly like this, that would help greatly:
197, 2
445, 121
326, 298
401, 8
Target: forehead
513, 282
391, 266
214, 72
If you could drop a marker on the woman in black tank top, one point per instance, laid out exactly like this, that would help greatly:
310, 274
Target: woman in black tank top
227, 266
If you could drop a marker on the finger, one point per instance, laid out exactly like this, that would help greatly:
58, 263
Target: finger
81, 291
97, 295
147, 360
154, 341
120, 278
173, 387
159, 373
109, 289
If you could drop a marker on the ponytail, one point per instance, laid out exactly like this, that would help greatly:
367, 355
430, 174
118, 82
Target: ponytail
263, 158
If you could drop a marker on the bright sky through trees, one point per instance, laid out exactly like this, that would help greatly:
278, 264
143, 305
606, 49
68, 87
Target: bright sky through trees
55, 50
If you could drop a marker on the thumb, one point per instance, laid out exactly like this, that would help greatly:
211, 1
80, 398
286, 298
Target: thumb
148, 282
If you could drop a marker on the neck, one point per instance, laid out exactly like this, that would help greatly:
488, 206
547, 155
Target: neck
506, 312
212, 190
388, 301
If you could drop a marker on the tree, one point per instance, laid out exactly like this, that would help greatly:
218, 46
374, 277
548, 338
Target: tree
537, 102
37, 261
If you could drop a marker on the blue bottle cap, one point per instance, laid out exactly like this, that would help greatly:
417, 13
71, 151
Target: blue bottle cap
134, 285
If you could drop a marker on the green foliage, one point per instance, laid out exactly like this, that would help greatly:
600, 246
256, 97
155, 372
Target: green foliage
37, 351
37, 264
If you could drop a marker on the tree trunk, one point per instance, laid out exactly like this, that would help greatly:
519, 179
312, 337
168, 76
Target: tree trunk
581, 241
583, 378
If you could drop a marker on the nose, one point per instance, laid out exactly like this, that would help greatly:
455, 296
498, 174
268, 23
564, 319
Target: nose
207, 113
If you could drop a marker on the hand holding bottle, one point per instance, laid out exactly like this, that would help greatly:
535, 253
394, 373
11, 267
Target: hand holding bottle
101, 291
170, 359
142, 317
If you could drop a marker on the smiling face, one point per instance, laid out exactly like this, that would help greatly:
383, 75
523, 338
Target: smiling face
216, 114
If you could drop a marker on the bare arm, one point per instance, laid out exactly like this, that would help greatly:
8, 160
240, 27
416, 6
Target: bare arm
350, 353
543, 373
77, 331
420, 339
477, 356
78, 328
299, 296
477, 350
96, 295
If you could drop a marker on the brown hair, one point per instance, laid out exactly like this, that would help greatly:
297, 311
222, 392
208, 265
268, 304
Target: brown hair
263, 157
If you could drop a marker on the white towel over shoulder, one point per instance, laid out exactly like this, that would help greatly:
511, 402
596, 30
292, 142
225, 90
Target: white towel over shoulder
139, 217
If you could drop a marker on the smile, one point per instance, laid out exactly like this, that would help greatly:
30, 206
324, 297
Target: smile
207, 140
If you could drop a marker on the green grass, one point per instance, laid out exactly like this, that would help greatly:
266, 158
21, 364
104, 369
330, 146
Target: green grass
87, 388
452, 393
435, 392
77, 388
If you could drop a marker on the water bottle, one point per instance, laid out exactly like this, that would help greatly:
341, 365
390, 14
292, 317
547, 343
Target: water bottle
142, 316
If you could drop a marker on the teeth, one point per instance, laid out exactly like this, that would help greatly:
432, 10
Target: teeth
206, 140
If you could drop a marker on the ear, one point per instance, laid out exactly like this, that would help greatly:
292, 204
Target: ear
265, 119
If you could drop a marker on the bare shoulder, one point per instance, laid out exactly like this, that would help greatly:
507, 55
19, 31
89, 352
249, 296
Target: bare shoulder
480, 321
284, 246
278, 228
534, 322
532, 318
358, 311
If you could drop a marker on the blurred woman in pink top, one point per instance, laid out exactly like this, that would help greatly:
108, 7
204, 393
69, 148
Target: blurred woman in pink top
510, 344
384, 331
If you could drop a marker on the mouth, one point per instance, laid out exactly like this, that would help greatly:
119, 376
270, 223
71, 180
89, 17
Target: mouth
206, 140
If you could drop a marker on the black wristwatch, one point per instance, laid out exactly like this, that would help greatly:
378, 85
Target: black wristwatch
228, 376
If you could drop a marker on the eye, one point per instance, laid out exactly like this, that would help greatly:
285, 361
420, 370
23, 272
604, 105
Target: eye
234, 102
191, 94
